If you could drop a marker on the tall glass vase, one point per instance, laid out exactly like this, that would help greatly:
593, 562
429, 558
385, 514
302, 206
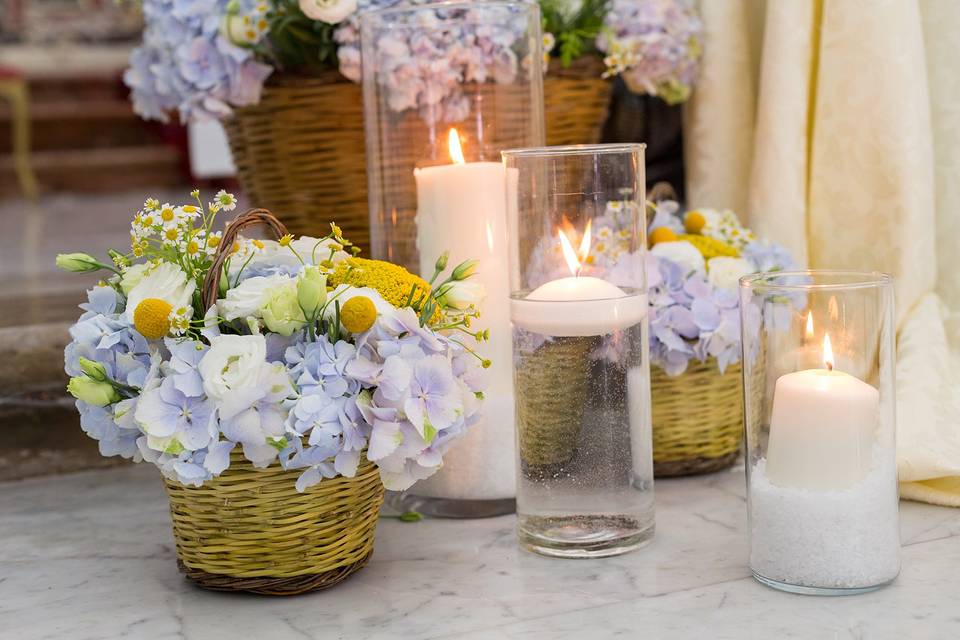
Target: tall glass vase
446, 87
581, 352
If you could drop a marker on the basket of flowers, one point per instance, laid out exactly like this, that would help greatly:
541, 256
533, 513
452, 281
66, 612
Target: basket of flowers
282, 76
654, 45
278, 385
695, 262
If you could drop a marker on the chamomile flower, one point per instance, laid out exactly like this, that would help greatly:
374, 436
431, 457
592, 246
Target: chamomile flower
213, 240
213, 207
227, 201
168, 216
179, 319
188, 212
151, 204
172, 236
192, 247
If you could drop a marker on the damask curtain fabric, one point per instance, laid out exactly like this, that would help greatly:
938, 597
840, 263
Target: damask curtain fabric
848, 152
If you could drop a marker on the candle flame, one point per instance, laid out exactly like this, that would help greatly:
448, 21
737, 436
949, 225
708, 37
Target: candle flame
809, 324
568, 253
575, 258
585, 242
827, 352
456, 151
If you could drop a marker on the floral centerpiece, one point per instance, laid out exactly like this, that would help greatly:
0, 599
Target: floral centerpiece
655, 45
204, 351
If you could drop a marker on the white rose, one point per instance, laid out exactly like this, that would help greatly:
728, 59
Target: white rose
132, 276
724, 272
463, 294
246, 299
166, 282
680, 252
231, 371
329, 11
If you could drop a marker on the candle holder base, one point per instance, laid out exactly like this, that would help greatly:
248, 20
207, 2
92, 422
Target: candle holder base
582, 536
404, 502
817, 591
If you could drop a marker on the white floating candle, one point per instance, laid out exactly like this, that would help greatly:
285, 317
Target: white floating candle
578, 305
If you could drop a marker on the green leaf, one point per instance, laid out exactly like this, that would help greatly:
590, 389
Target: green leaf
410, 516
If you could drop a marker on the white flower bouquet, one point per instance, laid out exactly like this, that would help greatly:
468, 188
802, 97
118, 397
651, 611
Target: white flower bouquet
302, 355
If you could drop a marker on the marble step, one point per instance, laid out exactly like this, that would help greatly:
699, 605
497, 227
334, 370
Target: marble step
100, 170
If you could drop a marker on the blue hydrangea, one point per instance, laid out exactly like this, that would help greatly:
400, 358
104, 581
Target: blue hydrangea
185, 65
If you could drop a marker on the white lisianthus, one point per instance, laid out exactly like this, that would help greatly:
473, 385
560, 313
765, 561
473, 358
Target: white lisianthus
463, 294
680, 252
329, 11
166, 282
133, 275
247, 298
724, 272
231, 371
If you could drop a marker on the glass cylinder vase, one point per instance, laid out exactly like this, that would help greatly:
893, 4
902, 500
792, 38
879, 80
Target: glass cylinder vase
820, 422
446, 87
580, 349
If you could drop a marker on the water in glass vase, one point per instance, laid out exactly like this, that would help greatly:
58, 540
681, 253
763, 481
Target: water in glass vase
585, 486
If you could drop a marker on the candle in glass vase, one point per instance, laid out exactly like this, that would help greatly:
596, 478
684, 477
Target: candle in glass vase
822, 428
593, 306
461, 208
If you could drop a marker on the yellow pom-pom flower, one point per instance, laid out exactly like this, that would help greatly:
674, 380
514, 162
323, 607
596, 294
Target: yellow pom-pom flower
694, 222
662, 234
358, 314
152, 318
710, 247
391, 281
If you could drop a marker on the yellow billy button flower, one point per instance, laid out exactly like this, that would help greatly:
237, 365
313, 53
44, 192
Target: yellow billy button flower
285, 240
358, 314
152, 318
694, 222
257, 243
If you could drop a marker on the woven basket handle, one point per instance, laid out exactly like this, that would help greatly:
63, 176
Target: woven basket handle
253, 217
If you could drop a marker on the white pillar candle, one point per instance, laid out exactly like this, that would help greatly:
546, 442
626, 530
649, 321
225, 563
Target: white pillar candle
461, 208
822, 429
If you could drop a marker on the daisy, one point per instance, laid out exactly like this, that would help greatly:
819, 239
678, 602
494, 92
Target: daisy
227, 201
168, 216
172, 236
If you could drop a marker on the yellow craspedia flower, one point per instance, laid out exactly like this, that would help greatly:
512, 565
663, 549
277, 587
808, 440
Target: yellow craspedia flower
152, 318
391, 281
694, 222
710, 247
358, 314
662, 234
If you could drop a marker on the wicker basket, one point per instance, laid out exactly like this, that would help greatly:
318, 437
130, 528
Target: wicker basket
300, 151
575, 102
697, 419
250, 530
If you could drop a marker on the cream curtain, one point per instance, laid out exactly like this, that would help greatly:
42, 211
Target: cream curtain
834, 126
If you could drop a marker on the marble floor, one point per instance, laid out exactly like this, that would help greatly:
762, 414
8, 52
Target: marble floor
90, 555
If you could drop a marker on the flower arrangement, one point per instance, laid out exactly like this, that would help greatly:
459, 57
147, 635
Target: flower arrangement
655, 45
203, 59
693, 267
296, 351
